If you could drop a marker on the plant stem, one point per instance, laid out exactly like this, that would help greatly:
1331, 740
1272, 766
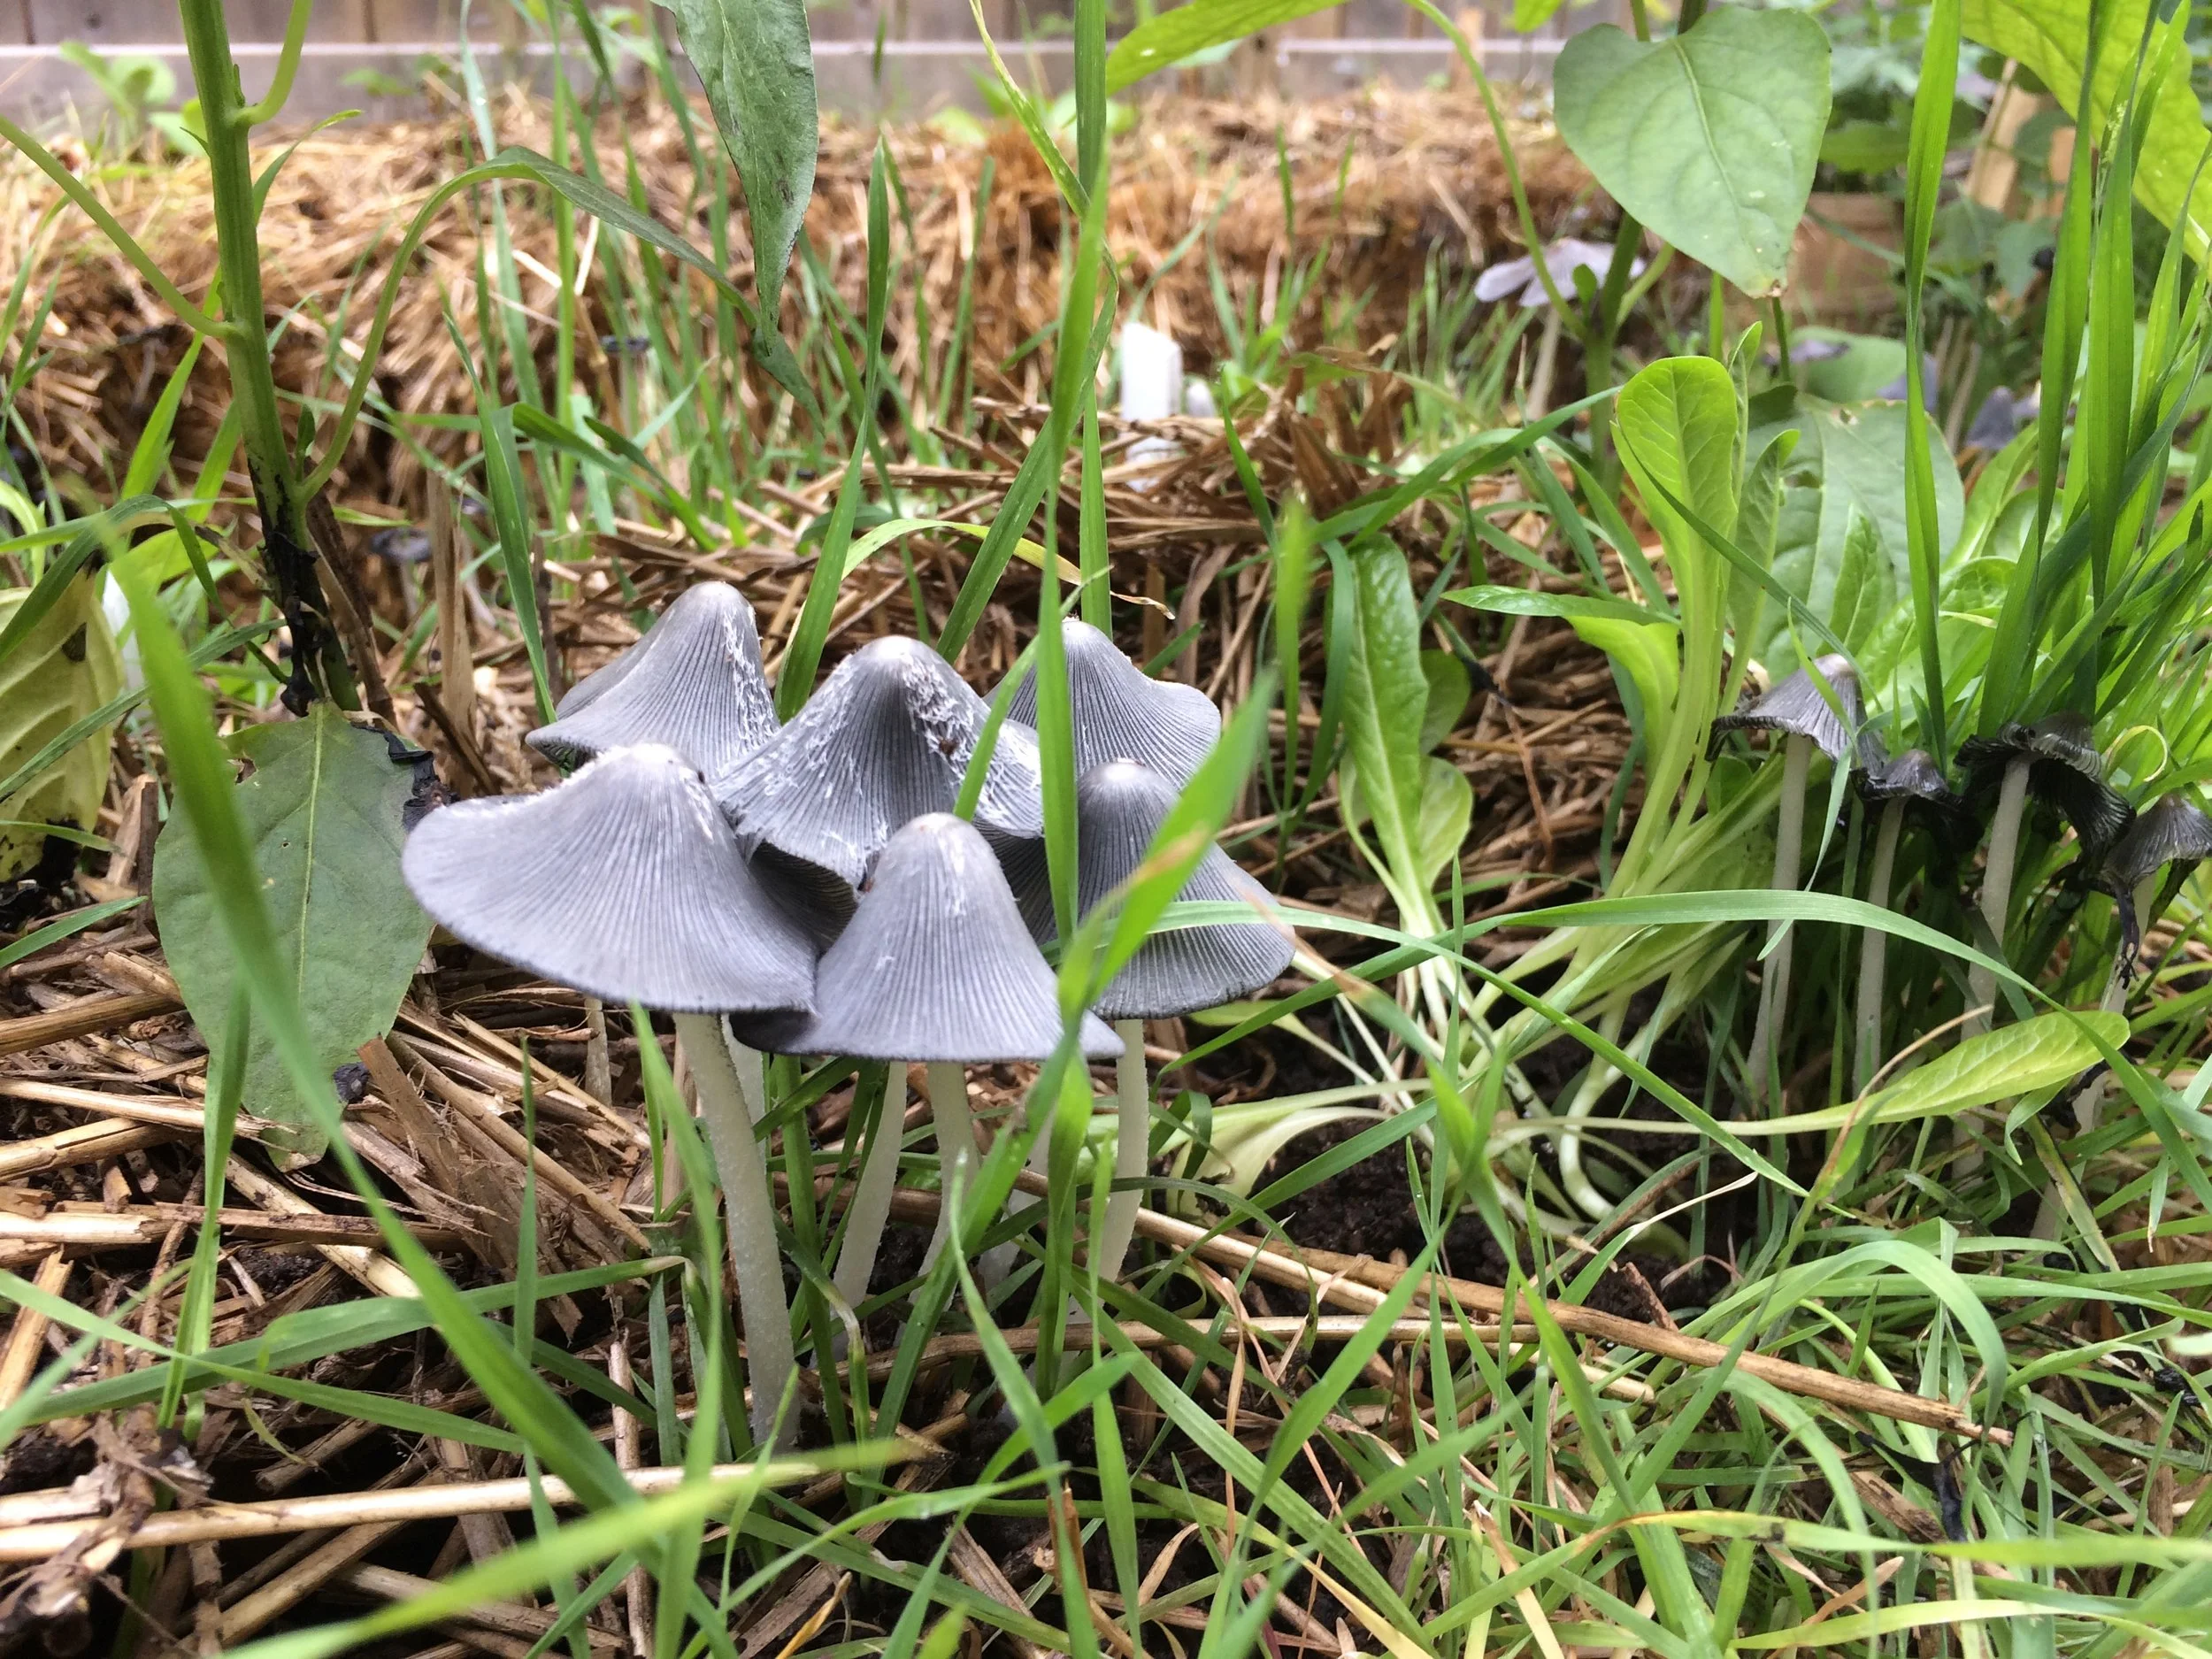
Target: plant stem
756, 1262
318, 663
2004, 848
1132, 1139
1789, 835
956, 1147
871, 1205
1874, 951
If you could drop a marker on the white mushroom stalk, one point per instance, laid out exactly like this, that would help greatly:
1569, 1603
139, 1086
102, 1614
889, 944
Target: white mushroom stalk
1823, 713
2055, 761
625, 883
1913, 777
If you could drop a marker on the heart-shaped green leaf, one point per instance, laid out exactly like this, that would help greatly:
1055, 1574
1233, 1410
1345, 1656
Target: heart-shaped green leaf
1709, 138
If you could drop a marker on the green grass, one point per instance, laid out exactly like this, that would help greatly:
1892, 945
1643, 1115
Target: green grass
1583, 1096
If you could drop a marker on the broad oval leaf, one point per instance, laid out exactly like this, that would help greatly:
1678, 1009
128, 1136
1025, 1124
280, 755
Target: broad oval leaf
1384, 696
63, 669
1709, 138
2035, 1053
323, 810
755, 59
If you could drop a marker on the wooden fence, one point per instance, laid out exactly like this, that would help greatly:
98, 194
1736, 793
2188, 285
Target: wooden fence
358, 50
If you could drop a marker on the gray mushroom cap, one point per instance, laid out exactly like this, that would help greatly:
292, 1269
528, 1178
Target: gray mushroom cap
1797, 707
886, 739
694, 683
937, 965
1914, 775
1122, 713
623, 882
1120, 808
2065, 771
2173, 829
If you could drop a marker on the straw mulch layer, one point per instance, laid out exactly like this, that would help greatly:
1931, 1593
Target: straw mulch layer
1383, 183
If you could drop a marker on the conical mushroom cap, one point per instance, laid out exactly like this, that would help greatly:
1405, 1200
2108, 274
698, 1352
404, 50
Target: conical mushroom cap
623, 882
693, 682
1121, 713
886, 739
2171, 830
1119, 809
936, 964
1797, 707
1914, 775
2065, 771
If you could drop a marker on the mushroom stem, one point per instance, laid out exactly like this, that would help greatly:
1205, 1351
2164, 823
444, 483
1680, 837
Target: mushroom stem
1132, 1141
1874, 949
751, 1072
1789, 835
598, 1064
956, 1147
2004, 847
870, 1207
756, 1266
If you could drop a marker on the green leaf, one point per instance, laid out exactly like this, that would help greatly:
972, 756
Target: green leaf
1709, 138
1447, 805
1449, 687
1533, 14
1383, 687
2018, 1059
2051, 37
1174, 36
1847, 472
755, 59
322, 811
1864, 146
1523, 601
63, 667
1645, 653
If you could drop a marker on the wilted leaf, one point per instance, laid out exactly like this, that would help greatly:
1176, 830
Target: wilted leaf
64, 668
1710, 137
323, 810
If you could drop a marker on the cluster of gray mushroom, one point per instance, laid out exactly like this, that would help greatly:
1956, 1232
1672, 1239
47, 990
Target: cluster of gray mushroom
808, 889
2140, 858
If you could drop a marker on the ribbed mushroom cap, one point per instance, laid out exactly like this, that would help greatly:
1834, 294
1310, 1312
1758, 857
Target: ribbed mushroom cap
886, 739
1120, 808
1914, 775
694, 683
623, 882
1121, 713
2173, 829
936, 964
1797, 707
2065, 771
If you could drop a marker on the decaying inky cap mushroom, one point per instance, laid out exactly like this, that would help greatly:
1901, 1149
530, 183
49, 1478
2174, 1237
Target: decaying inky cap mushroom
1120, 808
1121, 713
2172, 830
886, 739
2057, 762
1912, 778
694, 683
1824, 713
624, 882
936, 966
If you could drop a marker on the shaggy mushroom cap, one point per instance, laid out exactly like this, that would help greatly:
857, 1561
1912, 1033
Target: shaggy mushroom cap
2065, 771
623, 882
1121, 713
1120, 808
693, 683
886, 739
1797, 707
1914, 775
2172, 830
936, 964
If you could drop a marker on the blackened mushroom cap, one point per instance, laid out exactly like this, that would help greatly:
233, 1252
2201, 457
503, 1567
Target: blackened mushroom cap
1120, 808
2065, 771
1914, 775
694, 683
936, 964
2173, 829
624, 882
1122, 713
1798, 707
886, 739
